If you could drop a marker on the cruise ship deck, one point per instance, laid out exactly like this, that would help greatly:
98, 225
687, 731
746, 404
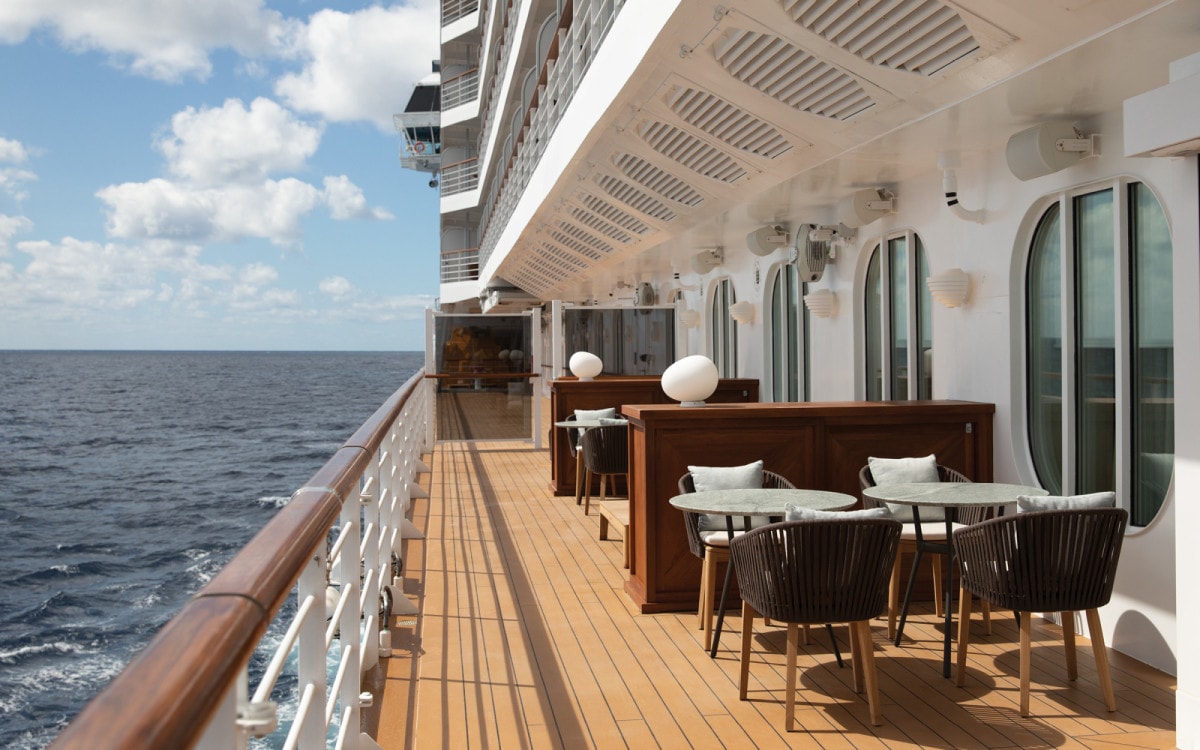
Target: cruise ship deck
525, 638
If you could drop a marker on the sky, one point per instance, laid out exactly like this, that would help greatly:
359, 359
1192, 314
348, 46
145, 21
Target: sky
212, 174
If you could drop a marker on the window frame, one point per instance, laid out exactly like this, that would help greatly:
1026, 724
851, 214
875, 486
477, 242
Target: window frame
796, 321
917, 311
723, 334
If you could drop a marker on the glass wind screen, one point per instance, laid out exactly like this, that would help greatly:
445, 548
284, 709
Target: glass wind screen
1045, 351
628, 340
1153, 348
484, 391
1095, 331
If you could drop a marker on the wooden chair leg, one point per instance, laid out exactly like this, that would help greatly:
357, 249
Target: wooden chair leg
793, 632
964, 634
711, 602
1100, 651
1068, 630
856, 666
704, 586
861, 632
748, 614
939, 608
578, 479
894, 599
1026, 643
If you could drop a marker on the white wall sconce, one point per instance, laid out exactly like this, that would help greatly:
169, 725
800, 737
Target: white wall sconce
585, 365
1046, 148
766, 240
742, 312
689, 318
949, 287
865, 206
706, 260
821, 303
691, 380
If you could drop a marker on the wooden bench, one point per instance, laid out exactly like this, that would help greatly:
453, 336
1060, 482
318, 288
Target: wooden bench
616, 513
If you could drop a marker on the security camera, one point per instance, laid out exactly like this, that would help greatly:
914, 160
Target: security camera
433, 183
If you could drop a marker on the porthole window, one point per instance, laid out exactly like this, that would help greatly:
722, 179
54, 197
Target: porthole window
724, 329
789, 336
897, 327
1100, 347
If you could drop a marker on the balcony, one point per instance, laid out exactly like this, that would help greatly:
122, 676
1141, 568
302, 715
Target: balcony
460, 265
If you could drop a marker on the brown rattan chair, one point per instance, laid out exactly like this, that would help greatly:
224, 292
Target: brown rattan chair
573, 440
814, 572
932, 530
1043, 561
712, 555
605, 453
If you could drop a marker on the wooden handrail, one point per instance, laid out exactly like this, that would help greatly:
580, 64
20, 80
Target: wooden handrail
166, 696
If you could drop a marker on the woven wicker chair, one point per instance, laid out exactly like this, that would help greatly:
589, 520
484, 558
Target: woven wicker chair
605, 452
813, 572
1043, 561
573, 440
713, 554
908, 545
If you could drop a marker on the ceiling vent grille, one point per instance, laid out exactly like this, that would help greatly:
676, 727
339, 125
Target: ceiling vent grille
789, 74
622, 219
597, 224
634, 198
692, 152
917, 36
570, 262
665, 184
573, 233
728, 122
572, 244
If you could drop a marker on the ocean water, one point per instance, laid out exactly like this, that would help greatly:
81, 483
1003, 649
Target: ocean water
127, 479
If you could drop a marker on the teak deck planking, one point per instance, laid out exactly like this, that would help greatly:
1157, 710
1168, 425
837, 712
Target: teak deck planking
526, 639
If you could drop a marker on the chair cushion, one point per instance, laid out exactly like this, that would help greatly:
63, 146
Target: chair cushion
609, 422
1066, 502
905, 471
796, 513
706, 478
590, 414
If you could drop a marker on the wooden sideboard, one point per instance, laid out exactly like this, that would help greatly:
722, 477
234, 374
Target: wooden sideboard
568, 394
815, 445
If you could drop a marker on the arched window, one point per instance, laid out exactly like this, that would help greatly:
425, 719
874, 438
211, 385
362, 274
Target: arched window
789, 336
897, 306
724, 330
1100, 347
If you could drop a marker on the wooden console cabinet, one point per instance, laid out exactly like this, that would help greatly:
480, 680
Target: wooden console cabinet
815, 445
568, 394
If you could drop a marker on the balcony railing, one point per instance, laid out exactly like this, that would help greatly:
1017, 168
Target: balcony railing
460, 176
461, 89
190, 686
460, 265
452, 10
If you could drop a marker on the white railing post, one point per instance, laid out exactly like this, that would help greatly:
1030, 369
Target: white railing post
310, 666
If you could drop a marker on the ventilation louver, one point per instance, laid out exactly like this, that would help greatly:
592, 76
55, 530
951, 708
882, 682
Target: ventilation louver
729, 123
693, 153
652, 178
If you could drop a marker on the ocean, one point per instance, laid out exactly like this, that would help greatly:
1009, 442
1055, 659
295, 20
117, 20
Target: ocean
127, 479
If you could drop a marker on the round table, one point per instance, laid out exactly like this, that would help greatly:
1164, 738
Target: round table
753, 502
949, 496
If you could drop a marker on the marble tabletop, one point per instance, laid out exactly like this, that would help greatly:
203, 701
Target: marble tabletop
760, 502
957, 494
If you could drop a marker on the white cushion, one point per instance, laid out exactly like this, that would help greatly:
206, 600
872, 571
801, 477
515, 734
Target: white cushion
607, 422
933, 531
592, 414
905, 471
797, 513
707, 478
1066, 502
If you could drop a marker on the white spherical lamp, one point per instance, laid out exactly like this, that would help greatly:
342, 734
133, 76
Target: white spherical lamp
691, 380
585, 365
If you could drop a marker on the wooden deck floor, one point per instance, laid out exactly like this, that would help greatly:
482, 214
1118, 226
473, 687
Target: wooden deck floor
526, 639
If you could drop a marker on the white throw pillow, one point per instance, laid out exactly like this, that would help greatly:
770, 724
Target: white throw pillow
593, 414
708, 478
797, 513
904, 471
609, 422
1066, 502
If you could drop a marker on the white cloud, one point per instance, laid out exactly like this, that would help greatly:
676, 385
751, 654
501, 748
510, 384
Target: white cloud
234, 143
360, 66
346, 201
162, 39
11, 226
12, 151
337, 287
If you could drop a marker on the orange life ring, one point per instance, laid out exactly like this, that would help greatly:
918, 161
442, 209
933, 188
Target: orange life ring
419, 147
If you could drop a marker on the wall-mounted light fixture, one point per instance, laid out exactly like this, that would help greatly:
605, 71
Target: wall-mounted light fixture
706, 260
1046, 148
766, 240
742, 312
865, 206
949, 287
821, 303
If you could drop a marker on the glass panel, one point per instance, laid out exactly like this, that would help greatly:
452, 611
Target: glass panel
1095, 322
1044, 315
806, 326
1154, 355
924, 326
481, 395
629, 340
873, 328
724, 330
785, 349
898, 325
794, 305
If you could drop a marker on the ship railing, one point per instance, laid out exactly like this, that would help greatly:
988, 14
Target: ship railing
460, 177
460, 265
461, 89
333, 546
583, 26
452, 10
